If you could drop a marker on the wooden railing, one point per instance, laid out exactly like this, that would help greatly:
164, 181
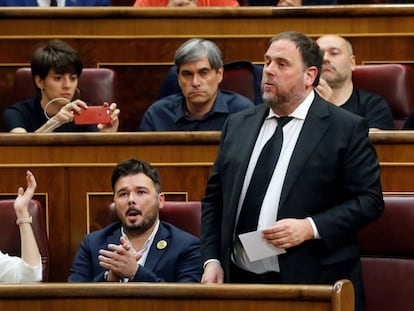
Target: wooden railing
176, 297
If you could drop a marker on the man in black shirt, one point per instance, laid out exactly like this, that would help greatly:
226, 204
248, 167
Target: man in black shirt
336, 84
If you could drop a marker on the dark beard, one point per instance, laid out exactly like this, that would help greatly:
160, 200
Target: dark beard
138, 228
275, 102
141, 227
282, 101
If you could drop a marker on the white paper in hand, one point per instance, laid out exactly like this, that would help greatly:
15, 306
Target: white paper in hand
258, 248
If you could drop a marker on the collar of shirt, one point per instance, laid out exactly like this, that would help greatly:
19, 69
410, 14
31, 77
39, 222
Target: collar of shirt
220, 106
44, 3
147, 245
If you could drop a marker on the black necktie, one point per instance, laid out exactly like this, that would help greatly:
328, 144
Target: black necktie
265, 166
53, 2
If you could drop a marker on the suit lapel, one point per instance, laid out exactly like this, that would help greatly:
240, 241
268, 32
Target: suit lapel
246, 139
115, 236
314, 127
162, 241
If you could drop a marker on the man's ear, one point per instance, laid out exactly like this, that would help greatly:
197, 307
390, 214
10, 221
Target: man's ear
220, 72
353, 62
310, 76
161, 199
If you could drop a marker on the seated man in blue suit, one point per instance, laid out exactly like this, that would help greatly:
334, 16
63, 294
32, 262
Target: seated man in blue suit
139, 248
59, 3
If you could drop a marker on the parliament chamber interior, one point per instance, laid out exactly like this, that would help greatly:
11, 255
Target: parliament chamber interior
73, 169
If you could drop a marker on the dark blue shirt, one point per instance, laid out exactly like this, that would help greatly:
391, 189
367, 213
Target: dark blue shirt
168, 113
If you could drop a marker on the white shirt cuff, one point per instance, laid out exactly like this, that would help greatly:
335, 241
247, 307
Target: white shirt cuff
316, 234
211, 260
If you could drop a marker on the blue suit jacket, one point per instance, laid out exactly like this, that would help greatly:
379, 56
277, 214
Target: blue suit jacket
68, 3
178, 262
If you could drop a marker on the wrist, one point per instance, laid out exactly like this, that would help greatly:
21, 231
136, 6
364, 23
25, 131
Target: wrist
109, 276
27, 220
211, 261
51, 125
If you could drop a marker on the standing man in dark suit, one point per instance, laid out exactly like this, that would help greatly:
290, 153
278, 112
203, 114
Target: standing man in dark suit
323, 189
139, 248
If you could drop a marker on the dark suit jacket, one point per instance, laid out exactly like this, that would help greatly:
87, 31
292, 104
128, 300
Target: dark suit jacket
333, 176
178, 262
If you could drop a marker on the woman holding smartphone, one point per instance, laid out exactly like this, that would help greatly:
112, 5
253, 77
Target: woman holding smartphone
56, 68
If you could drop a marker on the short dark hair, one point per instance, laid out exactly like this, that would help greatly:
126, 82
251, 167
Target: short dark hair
310, 51
134, 166
56, 55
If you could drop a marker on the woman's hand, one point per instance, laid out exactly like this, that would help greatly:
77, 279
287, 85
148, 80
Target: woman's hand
64, 115
289, 3
67, 112
21, 204
113, 126
176, 3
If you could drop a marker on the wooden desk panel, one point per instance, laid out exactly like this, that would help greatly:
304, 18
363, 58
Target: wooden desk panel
139, 43
395, 152
74, 171
177, 297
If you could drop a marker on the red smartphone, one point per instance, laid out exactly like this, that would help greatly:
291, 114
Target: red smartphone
93, 115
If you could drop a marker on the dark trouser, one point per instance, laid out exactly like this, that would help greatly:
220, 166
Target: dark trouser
238, 275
